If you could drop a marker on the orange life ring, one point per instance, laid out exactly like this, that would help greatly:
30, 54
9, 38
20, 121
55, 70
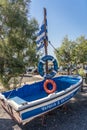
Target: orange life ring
46, 86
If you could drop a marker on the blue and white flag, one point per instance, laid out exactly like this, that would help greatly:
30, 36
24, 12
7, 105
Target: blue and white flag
42, 35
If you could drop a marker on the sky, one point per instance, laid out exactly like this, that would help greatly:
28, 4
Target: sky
65, 17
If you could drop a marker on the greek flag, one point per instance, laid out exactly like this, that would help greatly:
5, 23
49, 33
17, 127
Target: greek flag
42, 35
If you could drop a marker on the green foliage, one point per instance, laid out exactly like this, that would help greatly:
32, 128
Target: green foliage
81, 72
17, 36
65, 52
82, 51
72, 51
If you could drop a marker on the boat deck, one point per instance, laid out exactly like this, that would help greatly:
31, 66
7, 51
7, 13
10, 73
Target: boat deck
32, 92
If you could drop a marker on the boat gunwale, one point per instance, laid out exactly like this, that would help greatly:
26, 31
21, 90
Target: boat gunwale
45, 99
49, 97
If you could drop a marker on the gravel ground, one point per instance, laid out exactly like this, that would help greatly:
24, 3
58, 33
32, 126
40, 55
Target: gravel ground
74, 118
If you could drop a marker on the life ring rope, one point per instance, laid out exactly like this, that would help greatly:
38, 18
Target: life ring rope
42, 61
53, 60
54, 71
54, 87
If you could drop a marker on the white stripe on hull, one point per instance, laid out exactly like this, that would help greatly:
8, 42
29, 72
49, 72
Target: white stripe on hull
47, 103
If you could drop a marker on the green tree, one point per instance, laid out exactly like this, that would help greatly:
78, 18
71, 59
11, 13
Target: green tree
17, 38
64, 53
72, 52
81, 49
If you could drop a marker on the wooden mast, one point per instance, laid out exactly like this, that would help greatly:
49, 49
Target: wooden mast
45, 41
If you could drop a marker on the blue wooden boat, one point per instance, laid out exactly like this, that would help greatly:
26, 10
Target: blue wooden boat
30, 101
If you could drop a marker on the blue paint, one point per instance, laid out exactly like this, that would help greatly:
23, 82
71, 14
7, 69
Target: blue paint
36, 91
41, 67
46, 108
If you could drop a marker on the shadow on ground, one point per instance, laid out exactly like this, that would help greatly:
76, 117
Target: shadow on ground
6, 124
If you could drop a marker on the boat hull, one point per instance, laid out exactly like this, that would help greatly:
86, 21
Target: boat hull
29, 114
54, 100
